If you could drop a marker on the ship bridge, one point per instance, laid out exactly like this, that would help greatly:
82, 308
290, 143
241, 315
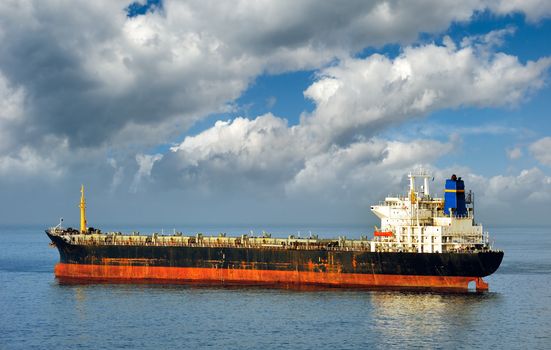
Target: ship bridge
420, 222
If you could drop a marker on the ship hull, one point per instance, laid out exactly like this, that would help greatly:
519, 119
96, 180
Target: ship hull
160, 274
274, 266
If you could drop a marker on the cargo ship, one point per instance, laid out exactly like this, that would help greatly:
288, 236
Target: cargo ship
423, 242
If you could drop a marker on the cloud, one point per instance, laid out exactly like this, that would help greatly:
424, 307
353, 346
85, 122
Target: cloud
528, 193
27, 163
118, 176
535, 10
514, 153
435, 129
271, 102
364, 169
84, 89
359, 96
242, 155
486, 42
236, 154
94, 76
266, 170
541, 150
145, 164
179, 64
530, 185
114, 72
335, 147
11, 112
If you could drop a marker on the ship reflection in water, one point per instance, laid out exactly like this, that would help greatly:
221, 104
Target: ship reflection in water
424, 315
297, 317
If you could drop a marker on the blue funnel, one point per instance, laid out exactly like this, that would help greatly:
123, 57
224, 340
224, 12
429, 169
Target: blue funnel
454, 197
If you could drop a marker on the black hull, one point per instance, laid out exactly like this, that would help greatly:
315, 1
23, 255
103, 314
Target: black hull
468, 264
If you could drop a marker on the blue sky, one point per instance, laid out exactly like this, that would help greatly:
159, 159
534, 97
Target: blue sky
271, 112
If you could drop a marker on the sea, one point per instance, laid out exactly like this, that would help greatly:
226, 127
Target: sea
39, 312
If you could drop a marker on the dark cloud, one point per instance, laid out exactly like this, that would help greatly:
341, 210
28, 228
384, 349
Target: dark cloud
89, 71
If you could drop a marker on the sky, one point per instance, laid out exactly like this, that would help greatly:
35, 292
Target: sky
270, 112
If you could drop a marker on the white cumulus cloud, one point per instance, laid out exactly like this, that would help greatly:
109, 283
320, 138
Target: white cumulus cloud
361, 95
141, 79
527, 191
535, 10
541, 150
364, 169
334, 148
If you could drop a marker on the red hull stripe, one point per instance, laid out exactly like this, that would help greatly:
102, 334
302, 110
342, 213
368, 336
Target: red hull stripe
238, 276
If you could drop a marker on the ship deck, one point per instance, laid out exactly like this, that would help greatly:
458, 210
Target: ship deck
245, 241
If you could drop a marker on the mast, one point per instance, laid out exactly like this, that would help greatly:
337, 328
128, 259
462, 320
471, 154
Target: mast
82, 207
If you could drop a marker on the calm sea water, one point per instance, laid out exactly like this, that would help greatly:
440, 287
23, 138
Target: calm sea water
37, 312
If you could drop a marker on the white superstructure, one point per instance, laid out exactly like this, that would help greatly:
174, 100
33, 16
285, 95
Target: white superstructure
417, 222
